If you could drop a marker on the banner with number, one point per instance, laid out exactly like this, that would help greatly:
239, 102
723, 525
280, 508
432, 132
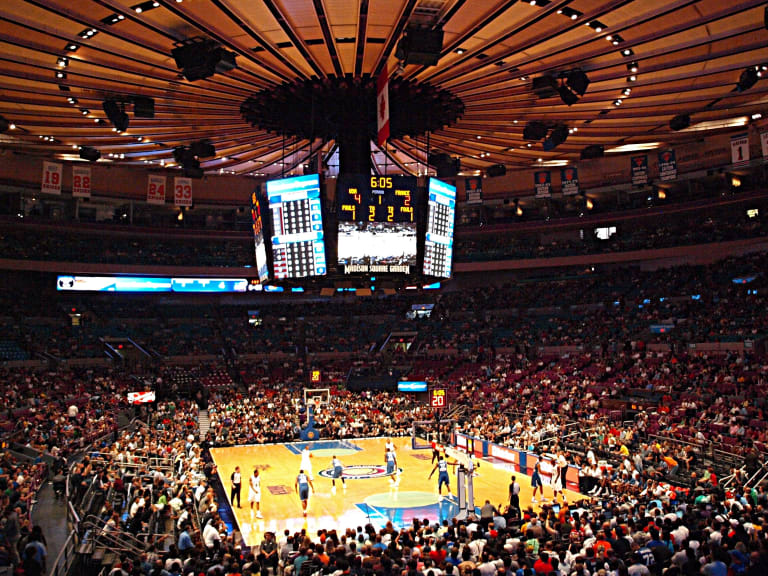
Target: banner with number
764, 143
81, 181
569, 178
667, 165
156, 189
740, 150
640, 170
543, 184
182, 191
474, 190
51, 178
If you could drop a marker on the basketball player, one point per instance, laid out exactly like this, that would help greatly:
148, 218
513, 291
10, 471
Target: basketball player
254, 492
306, 462
442, 475
236, 482
337, 472
302, 485
558, 484
391, 461
389, 446
537, 483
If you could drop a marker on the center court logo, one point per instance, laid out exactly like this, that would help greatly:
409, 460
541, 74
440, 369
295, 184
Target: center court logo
359, 472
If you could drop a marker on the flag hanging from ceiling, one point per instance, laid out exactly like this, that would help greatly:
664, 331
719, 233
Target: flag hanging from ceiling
382, 106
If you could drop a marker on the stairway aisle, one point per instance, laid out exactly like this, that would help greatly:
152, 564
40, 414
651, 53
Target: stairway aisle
204, 423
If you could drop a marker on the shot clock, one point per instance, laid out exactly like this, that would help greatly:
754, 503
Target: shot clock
438, 398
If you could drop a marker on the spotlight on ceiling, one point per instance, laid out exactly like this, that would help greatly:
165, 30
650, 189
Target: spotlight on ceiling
747, 79
578, 81
89, 153
557, 136
116, 113
534, 130
143, 107
680, 122
203, 149
567, 96
420, 46
200, 58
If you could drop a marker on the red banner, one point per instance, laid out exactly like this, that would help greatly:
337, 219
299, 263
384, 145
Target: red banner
382, 106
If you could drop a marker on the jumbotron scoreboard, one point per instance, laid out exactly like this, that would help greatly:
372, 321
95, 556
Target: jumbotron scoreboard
364, 198
377, 223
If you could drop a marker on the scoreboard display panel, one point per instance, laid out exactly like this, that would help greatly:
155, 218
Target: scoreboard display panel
438, 244
298, 244
262, 266
377, 223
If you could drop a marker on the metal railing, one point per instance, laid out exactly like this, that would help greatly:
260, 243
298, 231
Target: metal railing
65, 556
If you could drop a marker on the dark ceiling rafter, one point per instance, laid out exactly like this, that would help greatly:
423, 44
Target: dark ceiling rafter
330, 42
275, 53
139, 74
173, 7
456, 71
362, 34
691, 55
598, 95
394, 37
35, 26
294, 37
657, 34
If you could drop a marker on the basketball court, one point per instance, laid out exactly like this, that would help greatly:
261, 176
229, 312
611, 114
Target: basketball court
369, 496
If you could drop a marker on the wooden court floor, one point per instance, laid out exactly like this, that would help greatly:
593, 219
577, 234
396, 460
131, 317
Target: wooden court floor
369, 496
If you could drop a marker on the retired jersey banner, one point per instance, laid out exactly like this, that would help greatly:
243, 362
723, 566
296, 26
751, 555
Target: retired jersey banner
543, 184
81, 181
156, 189
51, 178
474, 190
640, 170
667, 165
569, 178
182, 191
740, 150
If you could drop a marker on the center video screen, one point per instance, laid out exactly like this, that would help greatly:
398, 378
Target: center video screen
377, 223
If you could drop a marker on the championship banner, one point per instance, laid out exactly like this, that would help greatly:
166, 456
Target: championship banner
474, 190
51, 178
542, 184
81, 181
382, 107
182, 191
639, 170
667, 165
569, 178
764, 143
156, 189
740, 150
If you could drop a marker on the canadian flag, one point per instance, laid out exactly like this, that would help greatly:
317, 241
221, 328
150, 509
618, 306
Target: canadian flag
382, 106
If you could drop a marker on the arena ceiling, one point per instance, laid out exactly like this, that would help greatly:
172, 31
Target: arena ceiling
647, 61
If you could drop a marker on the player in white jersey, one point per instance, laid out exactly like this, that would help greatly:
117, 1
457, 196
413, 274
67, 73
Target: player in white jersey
306, 461
390, 459
254, 492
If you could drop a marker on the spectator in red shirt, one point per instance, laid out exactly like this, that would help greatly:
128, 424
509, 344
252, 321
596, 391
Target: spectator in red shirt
543, 565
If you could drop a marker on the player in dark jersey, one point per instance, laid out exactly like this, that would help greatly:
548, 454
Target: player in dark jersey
302, 485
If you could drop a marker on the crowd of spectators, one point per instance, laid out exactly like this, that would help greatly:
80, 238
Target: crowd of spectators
687, 224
